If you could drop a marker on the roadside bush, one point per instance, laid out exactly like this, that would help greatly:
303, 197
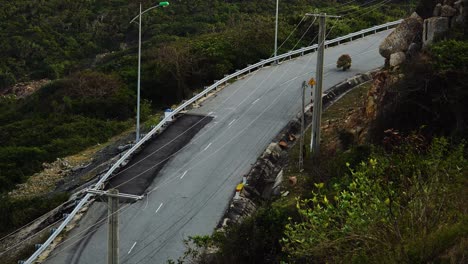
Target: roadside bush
344, 62
255, 240
384, 209
15, 213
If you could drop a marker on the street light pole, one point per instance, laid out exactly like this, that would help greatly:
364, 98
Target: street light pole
161, 4
139, 79
276, 29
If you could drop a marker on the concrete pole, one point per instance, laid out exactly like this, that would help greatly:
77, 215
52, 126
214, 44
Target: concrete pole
276, 29
139, 80
317, 110
301, 142
113, 229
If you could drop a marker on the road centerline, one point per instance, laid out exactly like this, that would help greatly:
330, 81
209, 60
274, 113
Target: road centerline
183, 175
157, 210
232, 122
130, 251
207, 146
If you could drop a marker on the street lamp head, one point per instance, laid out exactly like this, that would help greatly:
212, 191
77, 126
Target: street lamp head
163, 4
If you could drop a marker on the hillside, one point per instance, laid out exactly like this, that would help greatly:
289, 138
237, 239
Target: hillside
74, 66
390, 182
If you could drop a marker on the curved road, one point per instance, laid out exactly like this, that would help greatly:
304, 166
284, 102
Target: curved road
193, 189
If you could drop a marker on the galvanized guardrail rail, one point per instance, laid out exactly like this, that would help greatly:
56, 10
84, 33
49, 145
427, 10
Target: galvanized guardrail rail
167, 119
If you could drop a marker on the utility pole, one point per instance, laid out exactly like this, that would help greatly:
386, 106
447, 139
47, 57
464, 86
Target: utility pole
113, 229
317, 110
137, 136
276, 29
113, 221
301, 144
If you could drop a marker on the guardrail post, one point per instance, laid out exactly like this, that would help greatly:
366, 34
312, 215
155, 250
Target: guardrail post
248, 65
206, 94
263, 65
226, 82
237, 77
216, 88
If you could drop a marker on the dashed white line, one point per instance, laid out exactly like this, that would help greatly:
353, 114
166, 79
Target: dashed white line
130, 251
210, 113
157, 210
254, 102
207, 146
232, 122
183, 175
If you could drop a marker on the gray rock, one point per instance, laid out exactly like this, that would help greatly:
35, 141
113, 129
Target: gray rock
434, 28
437, 10
401, 38
397, 58
413, 50
448, 11
449, 2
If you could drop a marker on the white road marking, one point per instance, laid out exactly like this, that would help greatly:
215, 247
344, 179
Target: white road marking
183, 175
210, 113
207, 146
254, 102
157, 210
130, 251
232, 122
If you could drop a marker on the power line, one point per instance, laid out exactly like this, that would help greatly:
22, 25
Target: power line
186, 131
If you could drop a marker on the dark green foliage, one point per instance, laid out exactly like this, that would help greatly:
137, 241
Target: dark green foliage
14, 213
400, 206
61, 119
425, 8
433, 94
256, 240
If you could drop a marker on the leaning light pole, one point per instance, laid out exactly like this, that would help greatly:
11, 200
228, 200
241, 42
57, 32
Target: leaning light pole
161, 4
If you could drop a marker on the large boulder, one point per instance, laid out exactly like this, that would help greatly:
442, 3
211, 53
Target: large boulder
437, 10
462, 7
448, 2
400, 39
447, 11
434, 28
397, 58
413, 50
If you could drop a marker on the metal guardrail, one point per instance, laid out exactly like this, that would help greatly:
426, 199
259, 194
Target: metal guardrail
182, 107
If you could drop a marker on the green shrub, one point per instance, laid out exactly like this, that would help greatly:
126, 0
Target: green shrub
344, 62
371, 214
16, 213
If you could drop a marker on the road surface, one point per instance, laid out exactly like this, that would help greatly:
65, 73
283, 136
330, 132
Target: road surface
191, 192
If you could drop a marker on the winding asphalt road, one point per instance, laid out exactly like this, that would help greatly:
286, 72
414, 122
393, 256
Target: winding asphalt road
191, 192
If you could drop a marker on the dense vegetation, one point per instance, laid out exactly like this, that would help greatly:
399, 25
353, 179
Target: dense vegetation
186, 45
88, 51
400, 200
